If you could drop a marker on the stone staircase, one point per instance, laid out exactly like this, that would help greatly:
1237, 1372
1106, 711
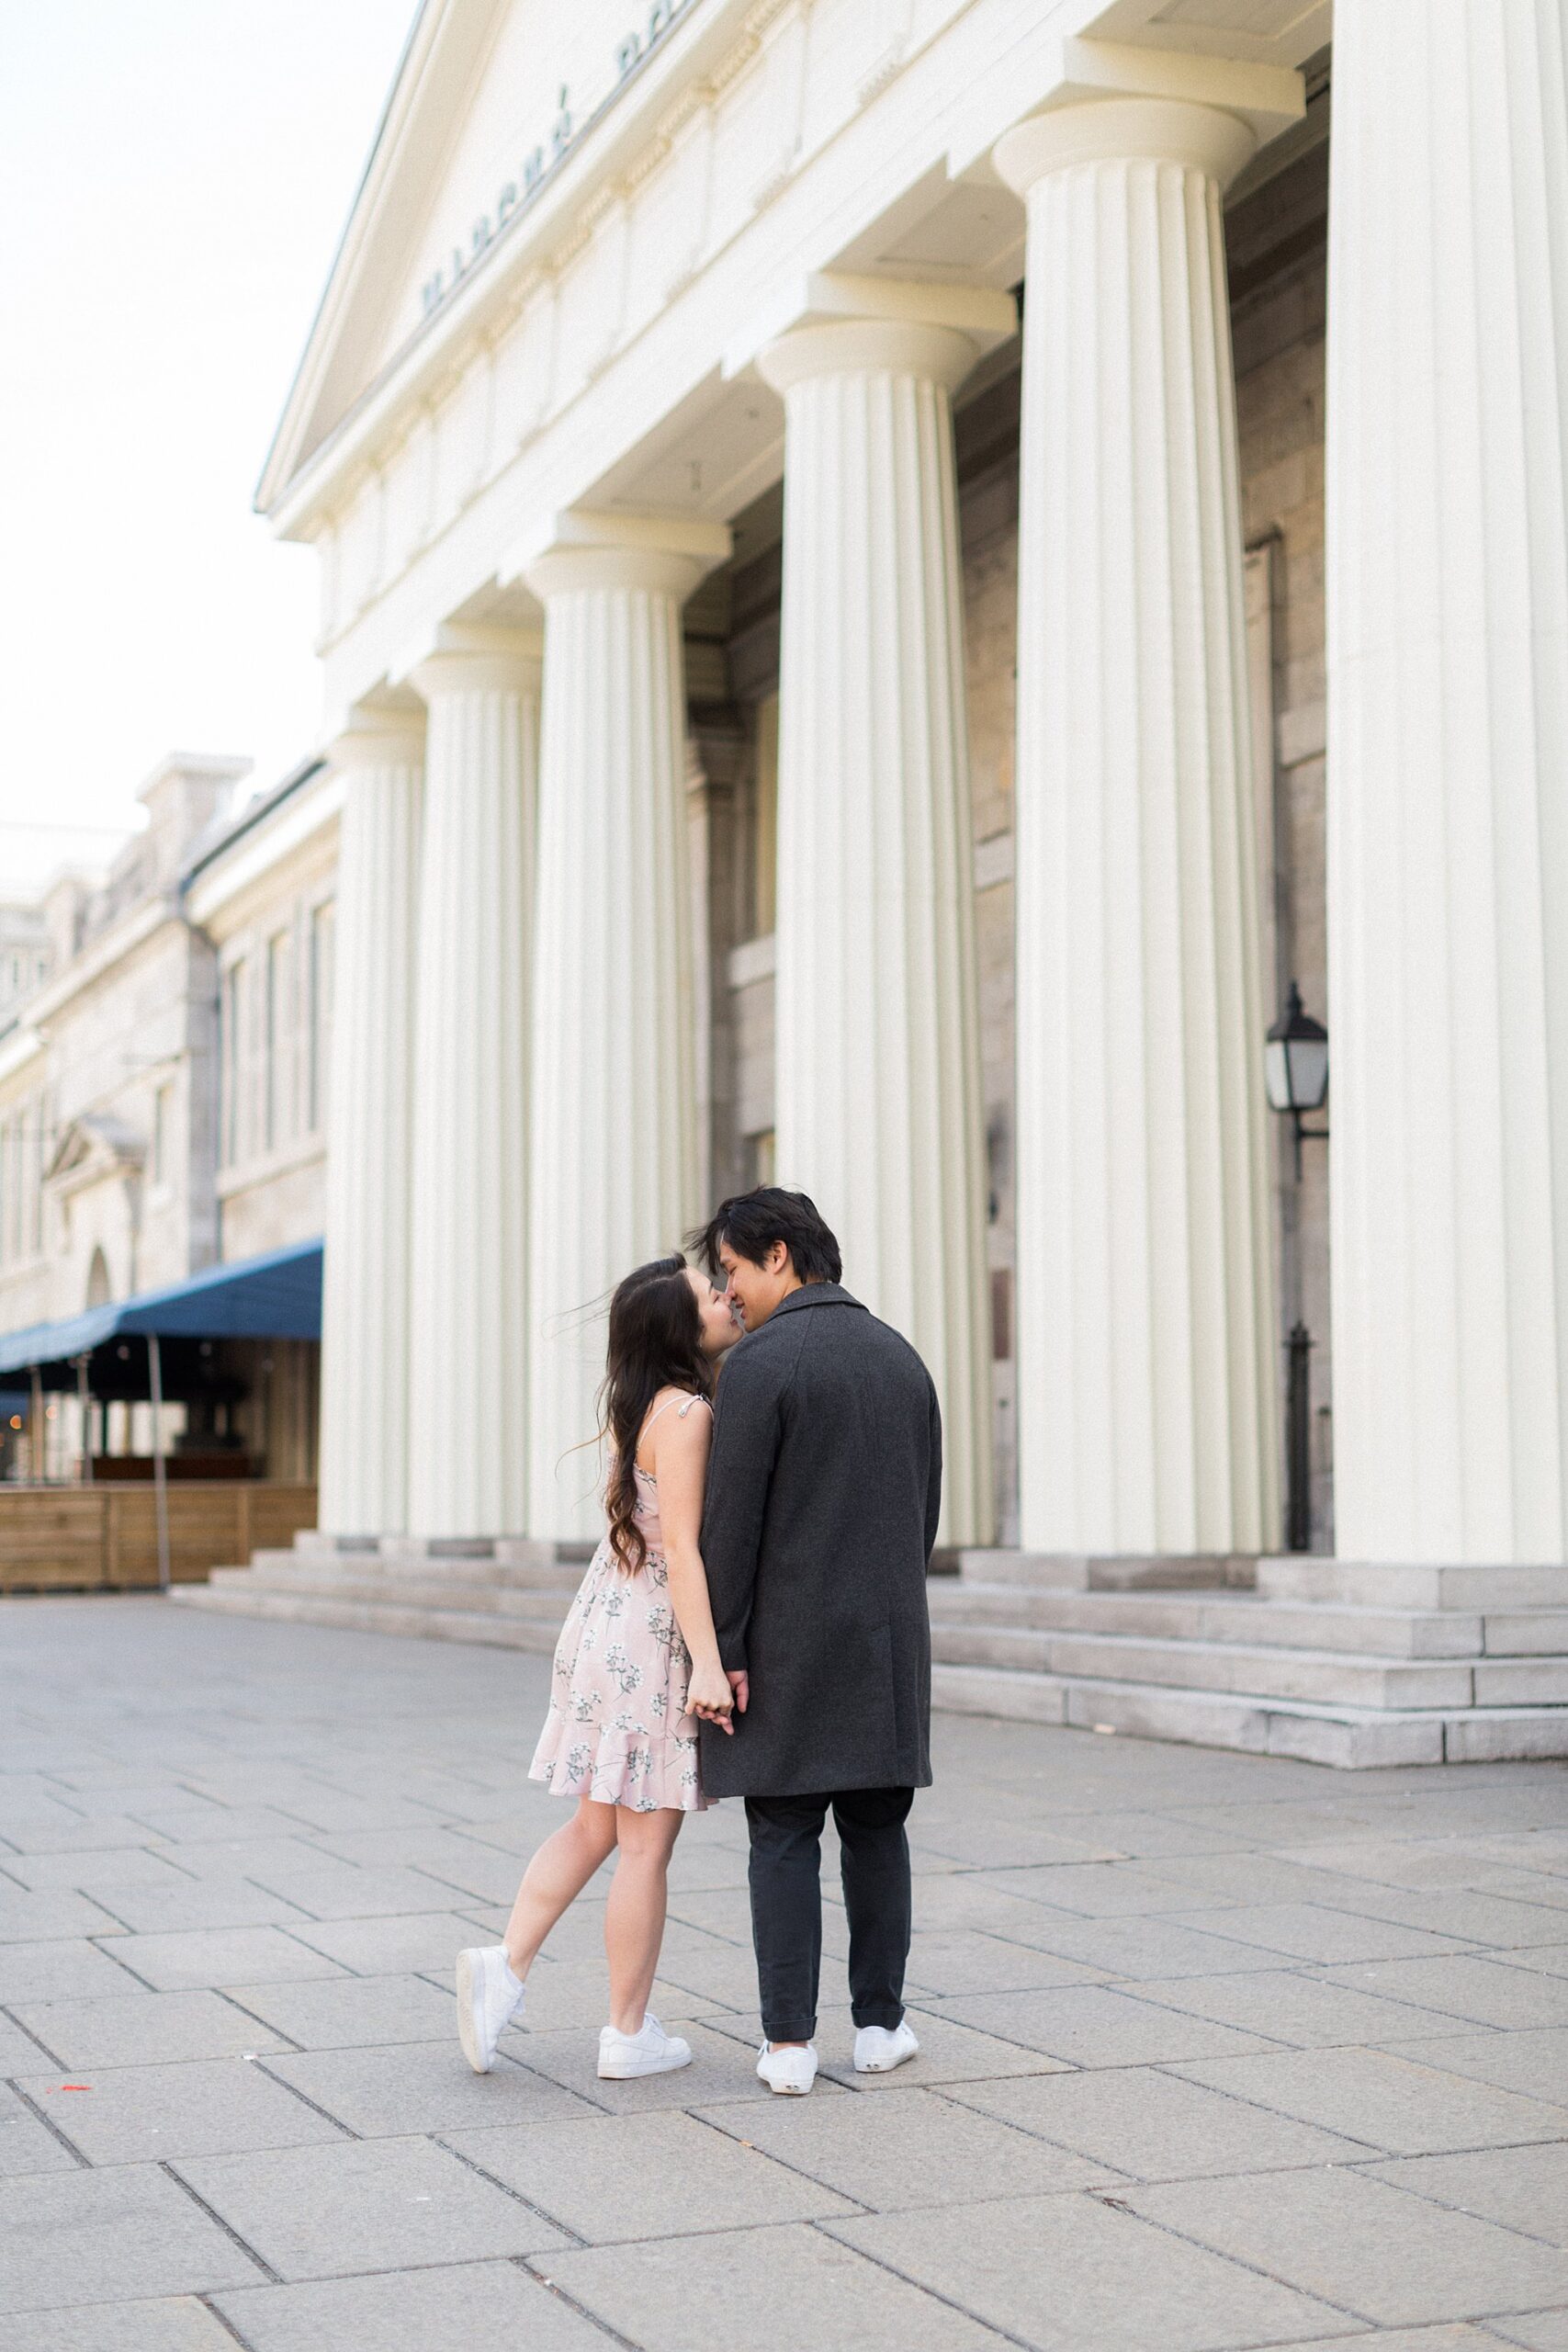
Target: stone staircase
1321, 1659
1315, 1659
511, 1593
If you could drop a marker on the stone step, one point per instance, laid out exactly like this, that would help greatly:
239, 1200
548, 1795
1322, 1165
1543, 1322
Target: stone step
1382, 1585
484, 1626
1334, 1677
1063, 1572
1349, 1738
300, 1579
472, 1584
1223, 1617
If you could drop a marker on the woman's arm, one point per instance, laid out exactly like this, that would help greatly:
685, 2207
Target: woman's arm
681, 1443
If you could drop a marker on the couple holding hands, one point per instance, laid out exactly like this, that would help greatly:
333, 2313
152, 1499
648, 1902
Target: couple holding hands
753, 1625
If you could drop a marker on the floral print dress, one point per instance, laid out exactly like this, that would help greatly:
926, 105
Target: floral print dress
617, 1727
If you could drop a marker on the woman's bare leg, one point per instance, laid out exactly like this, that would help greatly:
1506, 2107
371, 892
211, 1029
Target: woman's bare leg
634, 1916
555, 1877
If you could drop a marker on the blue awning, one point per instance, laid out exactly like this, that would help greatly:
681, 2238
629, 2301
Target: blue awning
277, 1296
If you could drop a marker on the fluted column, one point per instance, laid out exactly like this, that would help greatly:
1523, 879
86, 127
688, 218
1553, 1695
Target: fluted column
469, 1314
613, 1168
1145, 1331
879, 1111
365, 1293
1448, 750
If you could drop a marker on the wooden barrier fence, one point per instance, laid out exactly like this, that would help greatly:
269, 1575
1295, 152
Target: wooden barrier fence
104, 1538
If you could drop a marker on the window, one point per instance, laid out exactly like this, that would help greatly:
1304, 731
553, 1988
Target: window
230, 1045
766, 848
277, 1124
323, 943
163, 1108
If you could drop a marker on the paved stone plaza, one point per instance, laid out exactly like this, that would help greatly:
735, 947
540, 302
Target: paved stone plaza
1217, 2050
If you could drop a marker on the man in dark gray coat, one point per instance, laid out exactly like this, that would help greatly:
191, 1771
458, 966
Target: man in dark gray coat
824, 1486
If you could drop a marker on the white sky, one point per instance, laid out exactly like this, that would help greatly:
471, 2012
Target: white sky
174, 179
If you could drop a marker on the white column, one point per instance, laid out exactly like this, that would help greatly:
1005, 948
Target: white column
1448, 753
879, 1112
365, 1295
614, 1164
1146, 1329
469, 1318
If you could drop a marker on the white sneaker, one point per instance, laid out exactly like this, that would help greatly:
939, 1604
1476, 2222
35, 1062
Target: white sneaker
877, 2052
791, 2073
649, 2050
488, 1998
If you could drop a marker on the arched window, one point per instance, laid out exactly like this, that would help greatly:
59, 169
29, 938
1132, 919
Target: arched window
98, 1289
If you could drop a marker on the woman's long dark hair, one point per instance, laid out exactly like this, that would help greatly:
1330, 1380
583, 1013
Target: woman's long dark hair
656, 1335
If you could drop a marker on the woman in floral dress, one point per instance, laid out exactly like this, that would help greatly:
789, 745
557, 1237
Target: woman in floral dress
635, 1664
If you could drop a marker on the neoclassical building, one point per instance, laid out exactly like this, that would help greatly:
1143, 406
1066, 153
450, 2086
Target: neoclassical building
893, 571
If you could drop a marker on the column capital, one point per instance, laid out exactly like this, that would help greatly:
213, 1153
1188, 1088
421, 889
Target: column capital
828, 322
374, 737
474, 660
1199, 137
589, 547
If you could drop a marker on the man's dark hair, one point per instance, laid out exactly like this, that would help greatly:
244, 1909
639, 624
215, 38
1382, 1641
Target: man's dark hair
751, 1221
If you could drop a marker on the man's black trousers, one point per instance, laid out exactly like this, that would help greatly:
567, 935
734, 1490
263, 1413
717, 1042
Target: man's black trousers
786, 1904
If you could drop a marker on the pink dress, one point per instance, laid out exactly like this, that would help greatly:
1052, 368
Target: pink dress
617, 1727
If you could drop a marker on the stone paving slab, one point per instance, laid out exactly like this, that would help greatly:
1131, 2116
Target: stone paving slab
1539, 2332
1291, 2005
1462, 2338
1105, 2014
1533, 2062
351, 2012
969, 1961
412, 1942
1385, 2099
323, 1889
1486, 1992
121, 2233
27, 2145
1374, 2251
219, 1957
81, 1870
1151, 2125
63, 1971
652, 2176
1055, 2271
891, 2154
141, 2028
167, 2323
363, 2205
1096, 2025
54, 1912
1522, 2188
765, 2290
145, 2114
470, 2307
390, 2093
1311, 1931
201, 1904
1553, 1959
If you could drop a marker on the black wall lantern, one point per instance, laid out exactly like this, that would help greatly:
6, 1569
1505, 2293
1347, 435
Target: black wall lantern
1296, 1068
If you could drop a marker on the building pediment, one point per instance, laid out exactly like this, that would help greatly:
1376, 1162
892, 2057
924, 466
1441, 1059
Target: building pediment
492, 100
94, 1147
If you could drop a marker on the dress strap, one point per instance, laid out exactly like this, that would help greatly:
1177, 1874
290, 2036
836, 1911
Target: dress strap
684, 1409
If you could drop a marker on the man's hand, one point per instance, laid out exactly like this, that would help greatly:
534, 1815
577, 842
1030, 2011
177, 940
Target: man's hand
741, 1686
